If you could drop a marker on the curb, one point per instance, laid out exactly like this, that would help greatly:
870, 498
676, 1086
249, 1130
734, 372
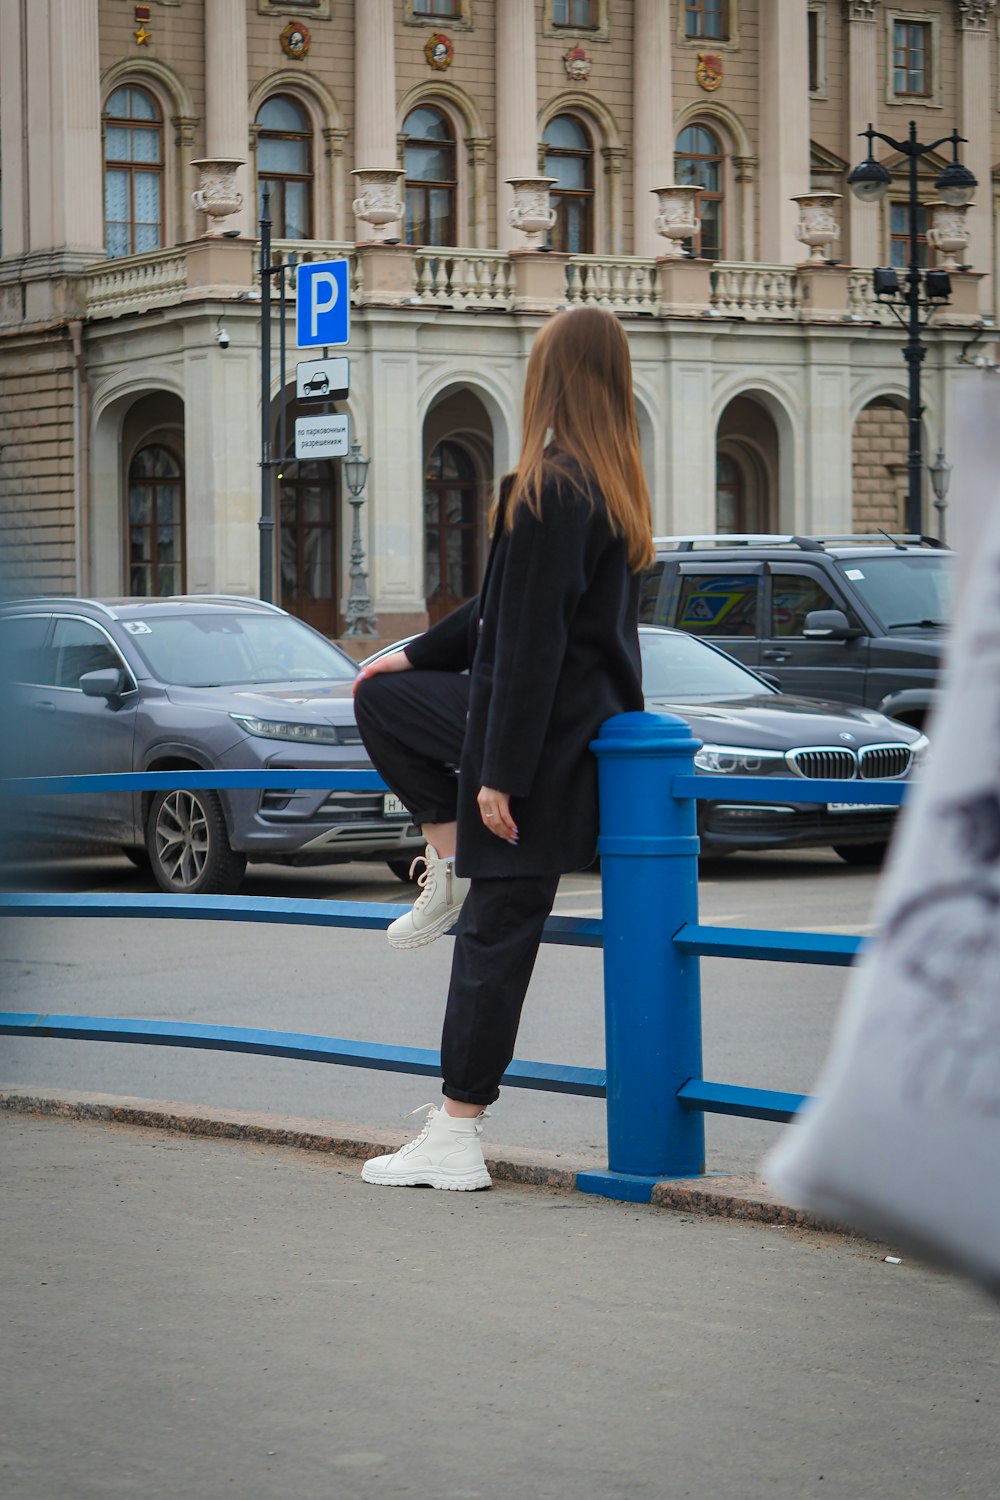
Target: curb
719, 1196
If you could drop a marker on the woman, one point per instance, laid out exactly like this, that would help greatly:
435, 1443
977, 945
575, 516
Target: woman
551, 650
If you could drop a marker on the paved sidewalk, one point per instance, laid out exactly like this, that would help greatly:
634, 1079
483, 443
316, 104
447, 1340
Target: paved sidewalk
190, 1318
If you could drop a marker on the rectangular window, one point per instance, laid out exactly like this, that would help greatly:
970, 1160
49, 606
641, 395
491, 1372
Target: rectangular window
899, 234
718, 604
793, 596
706, 18
444, 9
580, 14
816, 79
911, 59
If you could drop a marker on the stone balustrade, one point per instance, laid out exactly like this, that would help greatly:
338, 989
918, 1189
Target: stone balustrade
755, 292
461, 280
135, 283
862, 306
622, 283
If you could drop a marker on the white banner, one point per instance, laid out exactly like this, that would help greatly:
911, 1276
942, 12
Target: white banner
905, 1141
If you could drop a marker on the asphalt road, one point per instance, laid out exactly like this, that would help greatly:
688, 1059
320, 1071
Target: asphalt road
764, 1024
187, 1319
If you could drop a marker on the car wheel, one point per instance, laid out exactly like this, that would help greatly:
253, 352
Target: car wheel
139, 856
401, 869
868, 855
189, 849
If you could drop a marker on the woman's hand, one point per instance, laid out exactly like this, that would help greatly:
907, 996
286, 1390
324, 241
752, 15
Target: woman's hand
494, 809
396, 661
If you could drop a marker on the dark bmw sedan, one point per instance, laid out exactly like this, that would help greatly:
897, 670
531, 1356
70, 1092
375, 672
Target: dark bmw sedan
748, 728
197, 683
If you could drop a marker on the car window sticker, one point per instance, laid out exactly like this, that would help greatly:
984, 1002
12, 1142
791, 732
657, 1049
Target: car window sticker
853, 573
137, 627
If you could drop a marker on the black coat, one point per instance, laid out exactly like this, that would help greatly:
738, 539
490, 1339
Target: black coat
552, 650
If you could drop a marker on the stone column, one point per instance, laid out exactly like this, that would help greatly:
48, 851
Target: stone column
653, 120
393, 432
477, 149
745, 170
823, 504
52, 130
614, 162
784, 127
687, 505
977, 40
227, 125
222, 483
517, 108
864, 234
335, 136
374, 91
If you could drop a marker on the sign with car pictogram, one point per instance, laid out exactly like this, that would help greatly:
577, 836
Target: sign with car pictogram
322, 379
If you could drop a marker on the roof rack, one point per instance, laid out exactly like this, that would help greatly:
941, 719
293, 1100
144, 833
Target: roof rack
739, 539
805, 543
228, 599
61, 599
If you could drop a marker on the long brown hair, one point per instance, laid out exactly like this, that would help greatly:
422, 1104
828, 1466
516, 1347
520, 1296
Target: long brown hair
578, 392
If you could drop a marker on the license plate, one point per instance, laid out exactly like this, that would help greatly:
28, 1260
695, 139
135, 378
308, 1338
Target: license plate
393, 808
859, 806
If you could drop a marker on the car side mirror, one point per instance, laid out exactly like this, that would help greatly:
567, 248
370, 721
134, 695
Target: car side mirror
107, 683
829, 625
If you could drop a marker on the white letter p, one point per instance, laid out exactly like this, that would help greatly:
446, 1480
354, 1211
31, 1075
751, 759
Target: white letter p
319, 307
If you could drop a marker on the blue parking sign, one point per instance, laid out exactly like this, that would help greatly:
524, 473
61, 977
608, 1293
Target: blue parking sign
323, 303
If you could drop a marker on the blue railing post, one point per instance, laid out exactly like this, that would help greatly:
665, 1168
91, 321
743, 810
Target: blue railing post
649, 869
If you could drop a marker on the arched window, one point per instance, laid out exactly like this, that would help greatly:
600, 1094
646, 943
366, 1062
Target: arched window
284, 165
155, 523
569, 158
133, 172
307, 513
451, 530
698, 163
431, 183
729, 496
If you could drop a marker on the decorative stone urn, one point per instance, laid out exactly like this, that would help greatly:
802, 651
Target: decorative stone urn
532, 213
817, 226
218, 195
378, 202
949, 233
678, 217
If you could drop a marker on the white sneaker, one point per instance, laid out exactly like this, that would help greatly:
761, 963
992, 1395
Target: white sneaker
446, 1154
435, 909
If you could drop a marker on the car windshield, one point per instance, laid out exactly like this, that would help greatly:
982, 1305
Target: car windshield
904, 589
222, 649
681, 669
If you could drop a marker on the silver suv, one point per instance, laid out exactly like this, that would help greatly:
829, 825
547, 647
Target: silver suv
193, 683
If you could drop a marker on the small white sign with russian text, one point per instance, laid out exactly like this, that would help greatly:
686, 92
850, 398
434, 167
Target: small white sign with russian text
322, 437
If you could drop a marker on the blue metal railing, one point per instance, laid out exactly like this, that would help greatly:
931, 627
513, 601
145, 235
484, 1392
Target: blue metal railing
650, 934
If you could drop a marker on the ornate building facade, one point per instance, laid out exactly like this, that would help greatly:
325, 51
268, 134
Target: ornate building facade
137, 141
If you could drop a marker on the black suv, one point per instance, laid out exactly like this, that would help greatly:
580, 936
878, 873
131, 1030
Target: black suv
852, 619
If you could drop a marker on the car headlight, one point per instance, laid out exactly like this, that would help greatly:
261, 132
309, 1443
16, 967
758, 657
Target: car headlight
278, 729
734, 761
919, 751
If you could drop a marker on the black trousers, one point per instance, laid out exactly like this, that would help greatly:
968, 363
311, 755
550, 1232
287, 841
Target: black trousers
413, 725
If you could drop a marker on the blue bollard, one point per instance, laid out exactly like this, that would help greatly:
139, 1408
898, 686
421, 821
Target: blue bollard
649, 875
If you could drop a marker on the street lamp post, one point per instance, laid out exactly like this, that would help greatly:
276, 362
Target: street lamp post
360, 619
940, 472
869, 182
